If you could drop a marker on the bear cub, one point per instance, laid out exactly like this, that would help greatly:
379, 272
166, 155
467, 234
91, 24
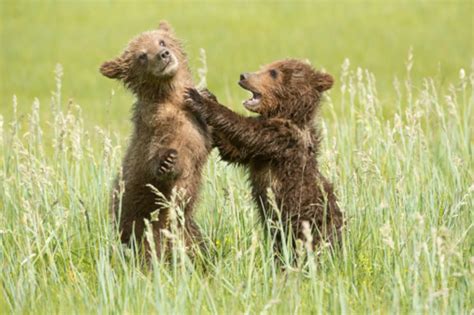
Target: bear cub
279, 147
169, 145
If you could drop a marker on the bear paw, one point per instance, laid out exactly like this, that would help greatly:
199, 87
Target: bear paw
208, 94
167, 163
193, 96
196, 103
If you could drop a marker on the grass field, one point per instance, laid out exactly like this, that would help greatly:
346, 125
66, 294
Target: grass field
398, 145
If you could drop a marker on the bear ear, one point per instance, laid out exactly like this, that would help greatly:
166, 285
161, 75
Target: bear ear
113, 69
323, 81
165, 26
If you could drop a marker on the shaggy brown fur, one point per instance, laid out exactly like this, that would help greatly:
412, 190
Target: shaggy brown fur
169, 146
279, 147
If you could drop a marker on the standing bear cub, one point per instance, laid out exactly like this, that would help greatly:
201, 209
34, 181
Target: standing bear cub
280, 148
168, 147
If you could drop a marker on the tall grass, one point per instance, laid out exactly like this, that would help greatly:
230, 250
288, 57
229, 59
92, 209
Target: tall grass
405, 182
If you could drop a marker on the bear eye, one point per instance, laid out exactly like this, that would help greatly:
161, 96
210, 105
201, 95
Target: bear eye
142, 57
273, 73
162, 43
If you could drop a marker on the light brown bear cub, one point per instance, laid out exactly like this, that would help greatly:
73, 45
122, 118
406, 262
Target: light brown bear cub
280, 148
169, 145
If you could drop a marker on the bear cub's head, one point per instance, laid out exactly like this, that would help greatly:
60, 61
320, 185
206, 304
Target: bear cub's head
288, 88
150, 62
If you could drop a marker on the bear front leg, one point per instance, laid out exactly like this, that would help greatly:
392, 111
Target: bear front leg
255, 136
227, 150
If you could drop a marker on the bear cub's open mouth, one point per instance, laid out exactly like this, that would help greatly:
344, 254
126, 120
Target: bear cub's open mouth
254, 100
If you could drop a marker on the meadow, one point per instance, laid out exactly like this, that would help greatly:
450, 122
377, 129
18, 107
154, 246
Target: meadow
397, 144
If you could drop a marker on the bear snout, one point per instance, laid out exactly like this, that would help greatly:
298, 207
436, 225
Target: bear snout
244, 76
163, 54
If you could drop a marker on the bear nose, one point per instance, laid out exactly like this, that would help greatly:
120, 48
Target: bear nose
244, 76
164, 54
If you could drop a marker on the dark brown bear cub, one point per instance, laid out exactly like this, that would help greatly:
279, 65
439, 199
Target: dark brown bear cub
168, 147
280, 148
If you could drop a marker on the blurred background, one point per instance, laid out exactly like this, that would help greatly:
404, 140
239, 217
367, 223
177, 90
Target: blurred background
237, 36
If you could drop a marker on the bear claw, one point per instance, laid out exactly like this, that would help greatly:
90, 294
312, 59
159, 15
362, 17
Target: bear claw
193, 95
167, 163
